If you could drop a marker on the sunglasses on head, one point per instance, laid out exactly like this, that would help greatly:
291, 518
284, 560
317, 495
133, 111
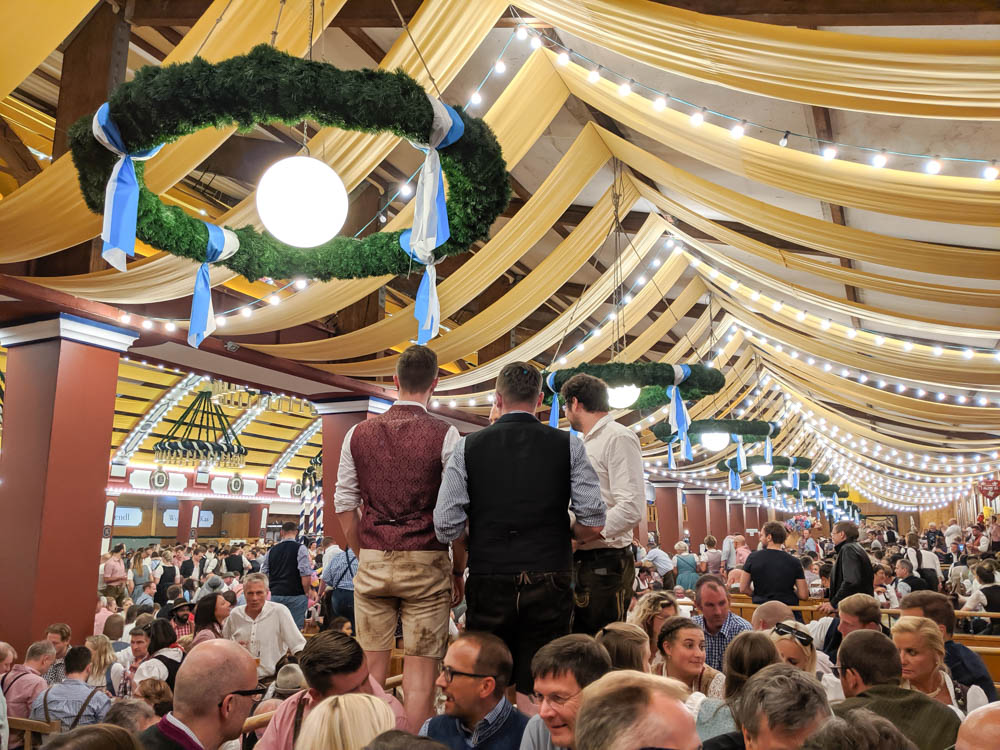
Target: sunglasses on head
804, 638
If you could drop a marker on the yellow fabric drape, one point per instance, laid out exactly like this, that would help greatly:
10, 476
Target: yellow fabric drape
518, 117
30, 31
576, 168
825, 236
665, 322
518, 303
913, 289
48, 214
955, 79
964, 200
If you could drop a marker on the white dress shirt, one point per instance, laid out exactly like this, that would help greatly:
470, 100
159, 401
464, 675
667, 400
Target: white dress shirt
927, 560
268, 637
977, 601
347, 496
952, 534
616, 456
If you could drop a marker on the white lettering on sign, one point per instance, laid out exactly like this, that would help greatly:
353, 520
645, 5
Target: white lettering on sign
205, 520
128, 516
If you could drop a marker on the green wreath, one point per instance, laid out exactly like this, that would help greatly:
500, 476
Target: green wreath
778, 462
749, 430
826, 489
162, 104
652, 377
778, 476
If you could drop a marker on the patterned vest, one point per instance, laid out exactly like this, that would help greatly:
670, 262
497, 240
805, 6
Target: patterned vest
397, 456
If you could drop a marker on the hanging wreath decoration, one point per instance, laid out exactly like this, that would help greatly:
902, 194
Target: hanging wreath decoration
162, 104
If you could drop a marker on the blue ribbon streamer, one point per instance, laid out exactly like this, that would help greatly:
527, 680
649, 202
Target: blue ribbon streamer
121, 197
679, 418
424, 307
554, 411
201, 304
768, 453
734, 480
741, 453
795, 479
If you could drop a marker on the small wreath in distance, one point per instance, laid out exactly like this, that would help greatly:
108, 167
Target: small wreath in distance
778, 462
162, 104
748, 430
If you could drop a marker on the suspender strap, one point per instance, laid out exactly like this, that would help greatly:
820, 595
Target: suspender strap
5, 687
299, 710
45, 703
346, 570
83, 708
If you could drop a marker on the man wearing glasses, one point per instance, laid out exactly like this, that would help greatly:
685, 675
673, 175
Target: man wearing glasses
476, 671
213, 694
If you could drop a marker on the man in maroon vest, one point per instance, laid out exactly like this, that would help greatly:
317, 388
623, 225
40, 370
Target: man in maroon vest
387, 485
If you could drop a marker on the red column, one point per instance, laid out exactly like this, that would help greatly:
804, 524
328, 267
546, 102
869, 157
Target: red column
737, 522
698, 512
669, 515
339, 416
58, 416
718, 524
258, 521
188, 511
109, 522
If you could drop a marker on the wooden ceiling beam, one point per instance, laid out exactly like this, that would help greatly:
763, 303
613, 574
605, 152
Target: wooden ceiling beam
166, 12
21, 165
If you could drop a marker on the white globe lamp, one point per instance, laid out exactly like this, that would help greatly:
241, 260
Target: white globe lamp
762, 470
714, 441
623, 396
302, 201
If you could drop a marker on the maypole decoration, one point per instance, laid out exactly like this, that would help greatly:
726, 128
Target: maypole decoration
162, 104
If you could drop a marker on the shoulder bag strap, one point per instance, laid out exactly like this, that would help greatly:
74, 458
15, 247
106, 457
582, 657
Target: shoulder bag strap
83, 708
45, 703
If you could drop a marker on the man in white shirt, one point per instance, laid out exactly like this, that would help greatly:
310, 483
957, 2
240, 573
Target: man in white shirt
953, 533
605, 567
264, 628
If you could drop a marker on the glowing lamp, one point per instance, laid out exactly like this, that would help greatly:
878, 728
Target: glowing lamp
623, 396
302, 201
714, 441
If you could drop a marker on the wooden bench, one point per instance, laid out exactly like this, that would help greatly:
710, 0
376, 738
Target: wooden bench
30, 727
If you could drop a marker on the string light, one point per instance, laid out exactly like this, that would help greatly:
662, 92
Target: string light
698, 117
880, 159
500, 68
563, 58
246, 312
829, 152
784, 139
738, 130
932, 166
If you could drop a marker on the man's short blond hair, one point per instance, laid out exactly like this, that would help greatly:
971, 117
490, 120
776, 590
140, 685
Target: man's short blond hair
613, 707
255, 578
862, 606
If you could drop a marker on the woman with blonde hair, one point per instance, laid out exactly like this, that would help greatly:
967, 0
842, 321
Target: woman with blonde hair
686, 566
795, 645
627, 644
653, 609
345, 722
105, 671
921, 651
156, 693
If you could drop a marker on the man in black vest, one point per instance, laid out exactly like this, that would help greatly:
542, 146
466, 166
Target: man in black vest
288, 570
525, 490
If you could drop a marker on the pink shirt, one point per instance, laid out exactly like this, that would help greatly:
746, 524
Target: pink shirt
114, 570
742, 553
20, 693
99, 619
280, 729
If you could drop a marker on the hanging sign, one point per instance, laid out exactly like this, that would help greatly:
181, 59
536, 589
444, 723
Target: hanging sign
205, 519
128, 516
990, 488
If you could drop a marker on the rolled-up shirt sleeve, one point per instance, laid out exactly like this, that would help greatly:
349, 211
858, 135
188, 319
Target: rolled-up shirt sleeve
585, 489
305, 567
347, 496
452, 509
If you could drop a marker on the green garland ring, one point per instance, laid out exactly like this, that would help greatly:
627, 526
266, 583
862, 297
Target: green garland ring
778, 462
162, 104
749, 430
652, 377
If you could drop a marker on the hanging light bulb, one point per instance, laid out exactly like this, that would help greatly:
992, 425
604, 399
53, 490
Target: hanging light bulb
623, 396
784, 139
625, 89
594, 76
762, 469
476, 98
659, 104
738, 130
933, 166
698, 117
536, 42
880, 159
246, 312
991, 172
829, 152
500, 67
302, 201
714, 441
522, 33
563, 58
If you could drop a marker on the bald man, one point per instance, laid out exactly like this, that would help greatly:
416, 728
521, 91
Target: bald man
980, 728
213, 695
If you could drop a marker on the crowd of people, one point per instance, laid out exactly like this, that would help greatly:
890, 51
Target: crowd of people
507, 569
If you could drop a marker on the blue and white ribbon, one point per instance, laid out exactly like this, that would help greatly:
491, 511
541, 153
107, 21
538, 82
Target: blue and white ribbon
768, 452
671, 461
550, 381
735, 483
222, 244
430, 217
793, 476
680, 421
121, 196
741, 453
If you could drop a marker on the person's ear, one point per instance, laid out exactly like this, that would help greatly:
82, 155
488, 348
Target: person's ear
434, 385
487, 688
395, 381
541, 398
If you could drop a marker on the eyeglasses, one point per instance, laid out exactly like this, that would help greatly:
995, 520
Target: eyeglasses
804, 638
252, 691
450, 674
554, 700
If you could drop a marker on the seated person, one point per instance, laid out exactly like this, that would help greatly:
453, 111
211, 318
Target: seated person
72, 702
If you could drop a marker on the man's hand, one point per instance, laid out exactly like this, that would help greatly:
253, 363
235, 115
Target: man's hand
826, 608
458, 589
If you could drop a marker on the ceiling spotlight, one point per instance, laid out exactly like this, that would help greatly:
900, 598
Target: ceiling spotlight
937, 351
170, 326
594, 76
536, 42
476, 98
825, 324
991, 172
220, 321
522, 33
125, 318
300, 283
147, 324
625, 89
908, 346
274, 299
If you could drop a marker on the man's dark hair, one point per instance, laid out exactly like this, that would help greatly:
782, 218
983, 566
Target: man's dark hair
77, 659
848, 528
416, 368
858, 729
709, 579
174, 590
807, 562
784, 696
161, 634
494, 659
935, 606
327, 654
591, 392
289, 526
776, 531
114, 626
131, 714
873, 656
826, 570
519, 383
579, 655
397, 739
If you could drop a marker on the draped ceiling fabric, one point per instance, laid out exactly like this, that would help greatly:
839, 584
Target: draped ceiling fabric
953, 79
696, 295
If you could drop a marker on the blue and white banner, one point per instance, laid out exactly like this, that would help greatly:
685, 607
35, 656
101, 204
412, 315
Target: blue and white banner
793, 476
550, 381
430, 217
680, 421
121, 196
741, 453
222, 244
735, 483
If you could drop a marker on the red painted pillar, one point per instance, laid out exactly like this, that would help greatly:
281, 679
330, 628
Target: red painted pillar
339, 416
669, 515
109, 522
737, 522
698, 514
59, 409
258, 521
718, 525
188, 511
